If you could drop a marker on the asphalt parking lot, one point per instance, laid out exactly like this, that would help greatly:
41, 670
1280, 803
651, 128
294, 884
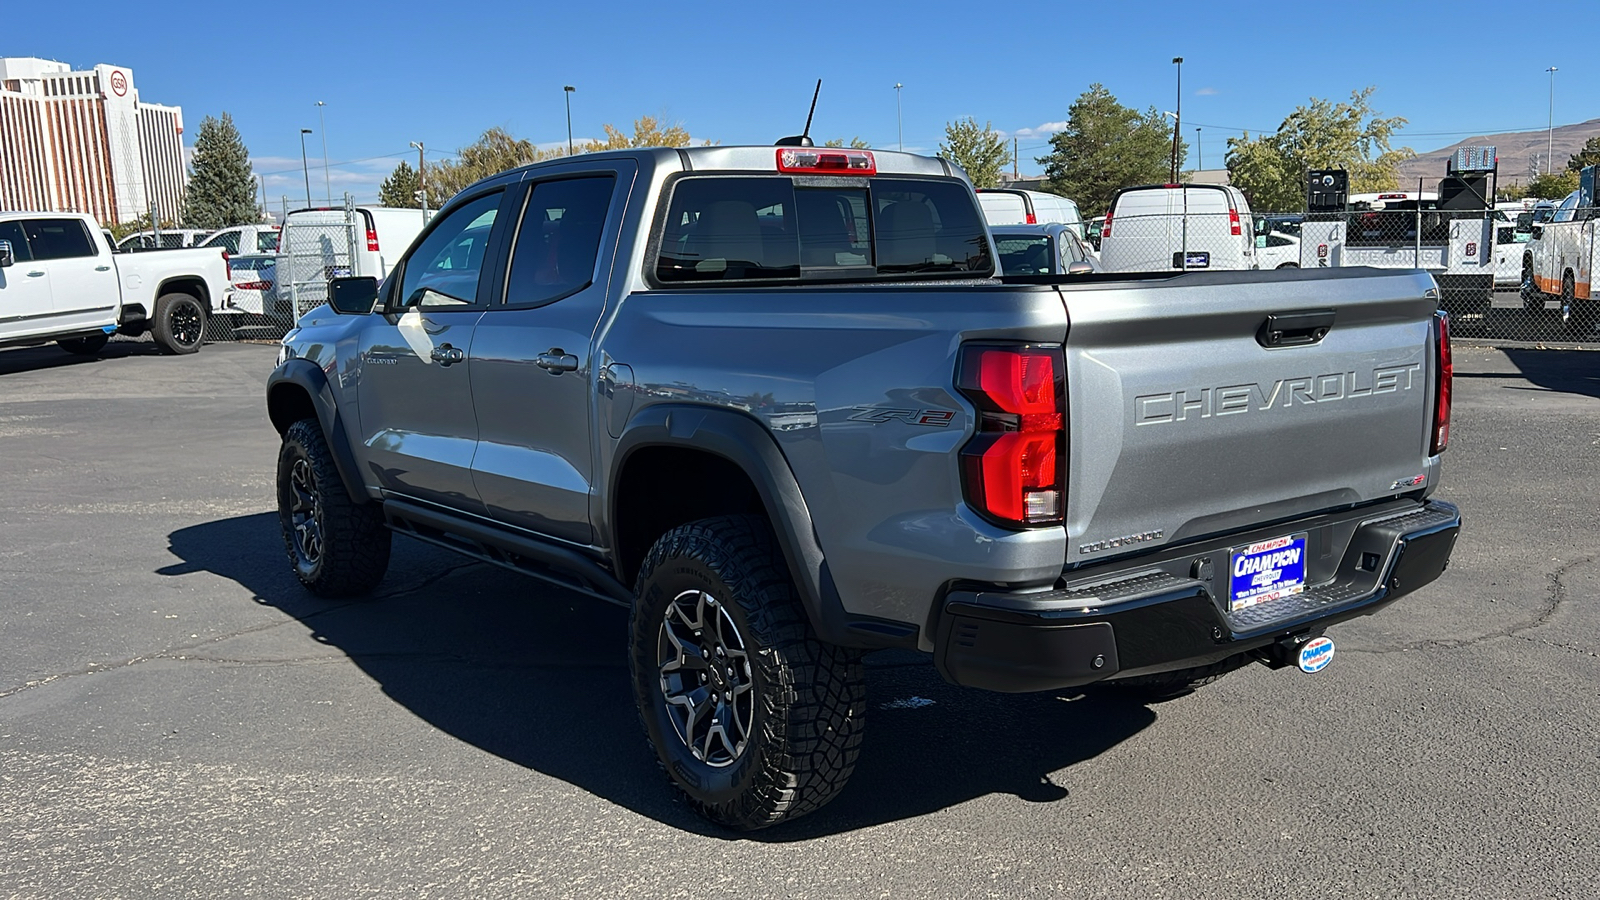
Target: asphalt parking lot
178, 719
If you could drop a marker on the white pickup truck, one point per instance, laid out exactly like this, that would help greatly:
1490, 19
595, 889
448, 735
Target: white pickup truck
60, 281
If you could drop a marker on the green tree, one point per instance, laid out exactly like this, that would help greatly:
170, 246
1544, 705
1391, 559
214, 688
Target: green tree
1588, 156
1553, 185
1107, 146
855, 143
1271, 169
222, 189
401, 187
981, 151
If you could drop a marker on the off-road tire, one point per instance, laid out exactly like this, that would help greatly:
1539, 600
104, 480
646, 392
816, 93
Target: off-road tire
84, 346
1171, 685
179, 323
809, 697
354, 542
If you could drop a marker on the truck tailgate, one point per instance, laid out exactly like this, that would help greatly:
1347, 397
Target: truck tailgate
1183, 425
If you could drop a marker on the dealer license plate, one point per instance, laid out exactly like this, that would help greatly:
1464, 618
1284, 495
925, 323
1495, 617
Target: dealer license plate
1194, 259
1267, 571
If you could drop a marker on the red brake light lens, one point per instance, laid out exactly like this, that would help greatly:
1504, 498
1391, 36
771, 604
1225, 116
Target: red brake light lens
1105, 227
1233, 221
372, 240
1033, 219
826, 161
1013, 467
1440, 438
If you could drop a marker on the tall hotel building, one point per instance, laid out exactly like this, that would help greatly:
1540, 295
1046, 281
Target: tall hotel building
84, 142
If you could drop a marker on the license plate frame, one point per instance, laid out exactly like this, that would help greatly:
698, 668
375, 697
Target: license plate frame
1267, 570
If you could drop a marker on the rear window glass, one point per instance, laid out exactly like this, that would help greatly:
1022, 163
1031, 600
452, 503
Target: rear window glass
1022, 255
266, 242
773, 229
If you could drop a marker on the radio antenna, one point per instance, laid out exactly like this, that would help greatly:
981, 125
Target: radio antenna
803, 139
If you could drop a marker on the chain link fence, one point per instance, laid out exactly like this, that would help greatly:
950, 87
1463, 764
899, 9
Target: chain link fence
1501, 275
272, 291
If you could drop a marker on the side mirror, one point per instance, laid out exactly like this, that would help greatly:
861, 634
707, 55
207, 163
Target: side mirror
353, 296
1537, 231
1080, 268
1262, 227
6, 259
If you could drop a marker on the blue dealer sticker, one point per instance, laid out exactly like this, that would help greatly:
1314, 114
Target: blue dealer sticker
1316, 654
1269, 570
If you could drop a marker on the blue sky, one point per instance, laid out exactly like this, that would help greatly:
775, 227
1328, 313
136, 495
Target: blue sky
743, 72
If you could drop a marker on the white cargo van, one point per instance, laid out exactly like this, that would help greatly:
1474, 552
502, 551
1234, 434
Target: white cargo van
1005, 206
1178, 226
315, 246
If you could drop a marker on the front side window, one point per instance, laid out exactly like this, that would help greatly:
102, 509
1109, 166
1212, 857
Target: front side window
764, 228
1566, 210
58, 239
443, 271
558, 240
12, 231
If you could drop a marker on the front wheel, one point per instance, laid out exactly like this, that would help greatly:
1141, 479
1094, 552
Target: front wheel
753, 718
337, 547
1532, 297
179, 323
84, 346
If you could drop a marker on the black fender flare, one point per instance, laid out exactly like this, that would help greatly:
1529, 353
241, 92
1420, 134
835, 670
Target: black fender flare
745, 442
305, 376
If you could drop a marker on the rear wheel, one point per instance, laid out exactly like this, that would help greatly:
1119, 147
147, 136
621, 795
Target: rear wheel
1289, 266
179, 323
753, 718
1570, 319
84, 346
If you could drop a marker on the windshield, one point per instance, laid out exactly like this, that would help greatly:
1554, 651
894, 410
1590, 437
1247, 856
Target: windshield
1023, 254
764, 228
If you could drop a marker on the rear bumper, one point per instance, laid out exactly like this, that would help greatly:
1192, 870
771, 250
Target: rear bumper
1161, 612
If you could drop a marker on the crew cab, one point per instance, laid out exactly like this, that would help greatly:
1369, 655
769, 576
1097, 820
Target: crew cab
60, 281
1558, 264
777, 404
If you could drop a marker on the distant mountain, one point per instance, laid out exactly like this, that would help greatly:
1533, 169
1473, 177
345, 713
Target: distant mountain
1517, 150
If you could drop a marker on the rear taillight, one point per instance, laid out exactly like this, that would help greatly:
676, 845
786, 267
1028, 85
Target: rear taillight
1442, 384
1033, 219
1233, 222
1013, 468
372, 240
1105, 227
253, 285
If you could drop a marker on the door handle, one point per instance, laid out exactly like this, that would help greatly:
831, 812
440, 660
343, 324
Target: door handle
444, 354
1295, 329
102, 268
555, 361
35, 274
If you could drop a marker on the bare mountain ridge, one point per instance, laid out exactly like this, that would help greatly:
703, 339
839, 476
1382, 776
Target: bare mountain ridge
1517, 151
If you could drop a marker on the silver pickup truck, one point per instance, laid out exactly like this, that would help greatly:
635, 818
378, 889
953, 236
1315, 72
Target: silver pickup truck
781, 405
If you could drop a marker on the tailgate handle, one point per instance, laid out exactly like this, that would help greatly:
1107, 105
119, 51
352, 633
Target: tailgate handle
1295, 329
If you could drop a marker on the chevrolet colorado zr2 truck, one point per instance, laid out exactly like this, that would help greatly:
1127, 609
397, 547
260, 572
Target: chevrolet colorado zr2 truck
781, 405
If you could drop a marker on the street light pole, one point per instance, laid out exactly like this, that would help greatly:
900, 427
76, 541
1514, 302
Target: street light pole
899, 118
1550, 138
305, 168
567, 91
1177, 119
1200, 155
422, 178
322, 123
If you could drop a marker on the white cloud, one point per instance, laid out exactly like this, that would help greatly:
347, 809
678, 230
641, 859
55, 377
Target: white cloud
1206, 92
1043, 130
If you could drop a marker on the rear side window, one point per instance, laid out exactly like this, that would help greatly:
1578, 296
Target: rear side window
558, 239
228, 240
58, 239
771, 229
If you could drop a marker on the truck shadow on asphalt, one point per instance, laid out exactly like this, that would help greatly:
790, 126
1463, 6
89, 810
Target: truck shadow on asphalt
1566, 371
539, 676
49, 356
